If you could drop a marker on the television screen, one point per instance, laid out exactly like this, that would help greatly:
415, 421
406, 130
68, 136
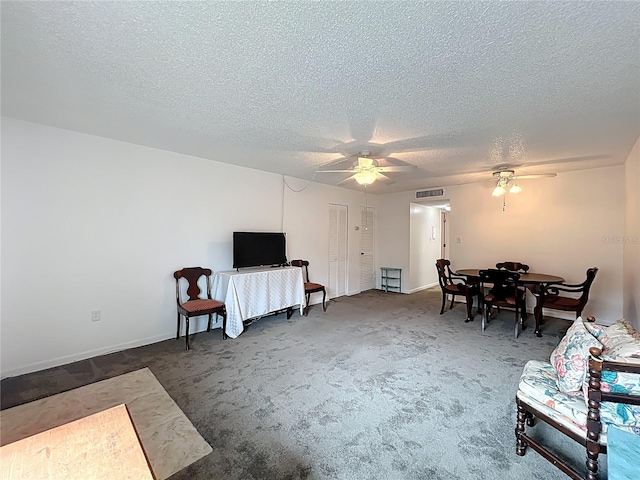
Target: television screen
253, 249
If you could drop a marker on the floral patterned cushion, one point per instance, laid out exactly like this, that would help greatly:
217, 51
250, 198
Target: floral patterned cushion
597, 331
539, 381
620, 413
621, 344
622, 340
538, 388
571, 356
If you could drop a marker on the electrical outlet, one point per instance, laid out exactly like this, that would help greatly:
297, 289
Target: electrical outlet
95, 315
458, 239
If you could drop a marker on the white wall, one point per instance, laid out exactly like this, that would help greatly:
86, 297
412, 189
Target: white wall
393, 235
423, 249
557, 225
306, 220
631, 241
90, 223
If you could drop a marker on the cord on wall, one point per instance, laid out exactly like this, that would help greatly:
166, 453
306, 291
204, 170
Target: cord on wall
284, 180
282, 206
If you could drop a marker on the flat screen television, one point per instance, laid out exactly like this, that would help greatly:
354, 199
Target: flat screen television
254, 249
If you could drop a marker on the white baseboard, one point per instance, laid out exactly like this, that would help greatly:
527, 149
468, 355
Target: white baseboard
424, 287
56, 362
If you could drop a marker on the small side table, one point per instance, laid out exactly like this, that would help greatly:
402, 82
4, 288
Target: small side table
391, 279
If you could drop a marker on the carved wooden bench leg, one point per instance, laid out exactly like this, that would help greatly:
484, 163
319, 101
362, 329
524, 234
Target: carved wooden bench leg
531, 420
521, 446
593, 450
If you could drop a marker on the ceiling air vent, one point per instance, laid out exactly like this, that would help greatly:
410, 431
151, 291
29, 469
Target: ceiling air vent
433, 193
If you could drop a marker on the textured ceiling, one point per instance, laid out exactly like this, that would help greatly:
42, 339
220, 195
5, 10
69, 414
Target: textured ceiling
455, 88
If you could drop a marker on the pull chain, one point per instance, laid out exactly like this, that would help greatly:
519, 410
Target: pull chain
366, 209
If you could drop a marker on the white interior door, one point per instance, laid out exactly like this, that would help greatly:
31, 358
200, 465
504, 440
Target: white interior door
337, 250
367, 229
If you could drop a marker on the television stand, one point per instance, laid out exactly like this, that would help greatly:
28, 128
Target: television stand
247, 323
249, 294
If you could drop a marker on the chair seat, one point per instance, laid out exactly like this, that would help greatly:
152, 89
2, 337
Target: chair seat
511, 300
538, 382
538, 388
561, 302
312, 287
201, 305
460, 288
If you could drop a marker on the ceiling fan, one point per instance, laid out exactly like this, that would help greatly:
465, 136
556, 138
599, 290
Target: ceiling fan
366, 170
506, 178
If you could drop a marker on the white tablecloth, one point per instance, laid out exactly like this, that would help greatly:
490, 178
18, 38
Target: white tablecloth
252, 293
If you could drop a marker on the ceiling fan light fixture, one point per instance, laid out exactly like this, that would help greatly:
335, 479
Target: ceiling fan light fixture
515, 188
365, 177
498, 191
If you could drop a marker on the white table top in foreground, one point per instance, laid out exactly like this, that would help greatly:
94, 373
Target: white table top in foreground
102, 445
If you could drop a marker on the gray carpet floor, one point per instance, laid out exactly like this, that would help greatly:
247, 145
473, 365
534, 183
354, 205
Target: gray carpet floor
380, 386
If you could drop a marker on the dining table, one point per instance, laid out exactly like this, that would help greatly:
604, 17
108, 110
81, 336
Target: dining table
531, 280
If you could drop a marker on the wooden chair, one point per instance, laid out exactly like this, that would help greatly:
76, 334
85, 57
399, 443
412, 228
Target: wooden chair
310, 287
447, 280
503, 293
551, 297
196, 306
520, 268
513, 267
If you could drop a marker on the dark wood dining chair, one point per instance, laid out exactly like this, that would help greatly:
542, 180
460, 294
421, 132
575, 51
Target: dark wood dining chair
452, 284
310, 287
520, 268
575, 302
504, 292
513, 267
196, 306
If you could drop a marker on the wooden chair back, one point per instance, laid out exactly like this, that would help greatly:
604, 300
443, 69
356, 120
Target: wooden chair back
504, 283
553, 290
443, 266
513, 266
305, 268
192, 275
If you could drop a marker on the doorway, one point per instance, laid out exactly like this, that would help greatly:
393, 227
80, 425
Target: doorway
367, 249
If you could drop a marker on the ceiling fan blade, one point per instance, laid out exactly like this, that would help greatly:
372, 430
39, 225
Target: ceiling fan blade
334, 171
398, 168
383, 178
337, 161
439, 141
584, 158
351, 177
537, 175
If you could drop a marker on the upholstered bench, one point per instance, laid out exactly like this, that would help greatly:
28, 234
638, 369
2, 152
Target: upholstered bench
591, 383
